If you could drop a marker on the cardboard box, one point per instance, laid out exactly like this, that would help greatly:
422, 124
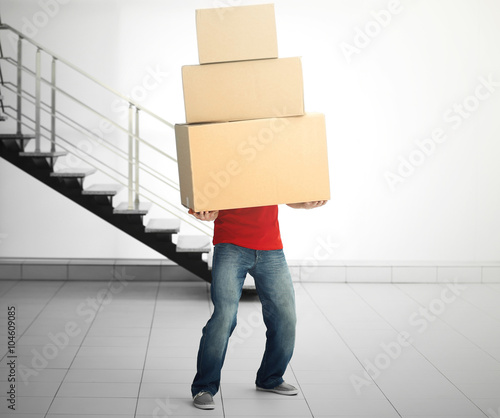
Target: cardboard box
243, 90
236, 33
253, 163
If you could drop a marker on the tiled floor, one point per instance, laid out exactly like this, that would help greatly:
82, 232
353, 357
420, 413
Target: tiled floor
363, 350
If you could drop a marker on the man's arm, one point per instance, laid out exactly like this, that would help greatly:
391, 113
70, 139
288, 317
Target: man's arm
211, 215
205, 215
307, 205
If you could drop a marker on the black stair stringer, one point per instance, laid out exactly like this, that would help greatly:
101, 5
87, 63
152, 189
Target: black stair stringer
130, 224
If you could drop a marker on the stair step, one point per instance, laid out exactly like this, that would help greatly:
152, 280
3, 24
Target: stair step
15, 136
42, 154
138, 209
103, 189
73, 172
168, 226
194, 244
210, 258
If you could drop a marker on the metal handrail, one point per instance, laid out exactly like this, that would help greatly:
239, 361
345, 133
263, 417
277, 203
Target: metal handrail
90, 109
132, 132
133, 136
89, 134
180, 215
85, 74
1, 78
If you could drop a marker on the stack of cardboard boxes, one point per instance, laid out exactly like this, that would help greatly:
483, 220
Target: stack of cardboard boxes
247, 140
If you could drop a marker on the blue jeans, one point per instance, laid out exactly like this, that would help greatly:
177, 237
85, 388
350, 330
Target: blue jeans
274, 286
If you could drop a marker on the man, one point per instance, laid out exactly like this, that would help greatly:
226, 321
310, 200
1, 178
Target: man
248, 241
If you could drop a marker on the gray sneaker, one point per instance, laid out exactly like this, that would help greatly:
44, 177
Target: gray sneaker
283, 389
204, 400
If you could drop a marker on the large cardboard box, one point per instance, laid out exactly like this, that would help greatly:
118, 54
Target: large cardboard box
236, 33
243, 90
253, 163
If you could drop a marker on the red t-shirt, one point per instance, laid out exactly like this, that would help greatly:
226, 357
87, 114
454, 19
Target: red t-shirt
254, 228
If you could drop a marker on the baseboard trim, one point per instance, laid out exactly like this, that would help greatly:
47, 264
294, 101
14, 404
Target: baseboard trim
306, 271
93, 270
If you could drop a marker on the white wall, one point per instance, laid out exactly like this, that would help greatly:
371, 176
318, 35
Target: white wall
403, 84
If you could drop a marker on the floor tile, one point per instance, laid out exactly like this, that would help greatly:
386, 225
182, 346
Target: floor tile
99, 390
108, 362
437, 406
100, 331
168, 376
346, 361
21, 415
115, 341
33, 389
490, 406
173, 351
289, 407
339, 391
31, 374
90, 351
362, 406
170, 363
45, 340
175, 407
423, 386
171, 390
131, 415
31, 405
103, 375
95, 406
326, 376
248, 391
481, 391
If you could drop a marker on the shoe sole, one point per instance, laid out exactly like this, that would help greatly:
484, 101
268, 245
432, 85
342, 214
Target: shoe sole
280, 392
204, 406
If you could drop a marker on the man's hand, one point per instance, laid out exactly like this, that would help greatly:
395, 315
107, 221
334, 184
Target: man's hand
205, 215
307, 205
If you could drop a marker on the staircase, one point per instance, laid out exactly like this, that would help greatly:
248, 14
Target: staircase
191, 252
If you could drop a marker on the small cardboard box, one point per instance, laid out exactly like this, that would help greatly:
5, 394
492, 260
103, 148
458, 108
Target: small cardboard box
253, 163
243, 90
236, 33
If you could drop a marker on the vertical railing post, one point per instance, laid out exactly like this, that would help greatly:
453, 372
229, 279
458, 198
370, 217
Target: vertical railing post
137, 156
53, 107
38, 88
19, 83
130, 156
